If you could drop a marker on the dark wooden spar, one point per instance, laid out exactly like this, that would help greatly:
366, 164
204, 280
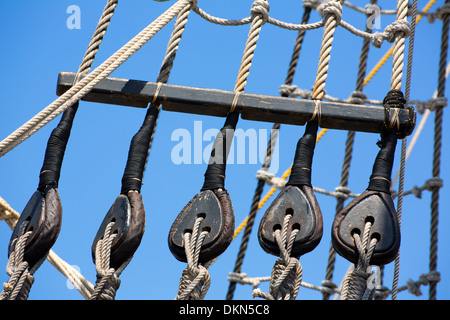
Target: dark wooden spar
213, 102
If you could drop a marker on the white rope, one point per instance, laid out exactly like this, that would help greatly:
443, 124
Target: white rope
195, 279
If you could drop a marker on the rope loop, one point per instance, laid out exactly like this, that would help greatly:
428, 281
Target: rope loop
262, 8
358, 97
195, 279
21, 277
331, 8
398, 27
341, 192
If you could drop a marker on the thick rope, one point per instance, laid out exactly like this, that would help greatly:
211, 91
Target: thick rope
348, 156
403, 148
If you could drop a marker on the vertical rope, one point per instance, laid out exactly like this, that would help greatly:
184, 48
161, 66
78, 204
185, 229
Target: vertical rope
362, 68
403, 147
396, 83
259, 188
332, 14
437, 151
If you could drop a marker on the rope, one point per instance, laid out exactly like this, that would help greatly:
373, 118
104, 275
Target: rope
108, 281
437, 151
81, 88
287, 272
195, 279
355, 285
21, 276
403, 148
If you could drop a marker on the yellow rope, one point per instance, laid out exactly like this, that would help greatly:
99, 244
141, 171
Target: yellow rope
375, 69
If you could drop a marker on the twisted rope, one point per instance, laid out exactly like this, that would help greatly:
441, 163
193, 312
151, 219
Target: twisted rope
332, 12
21, 276
195, 280
108, 281
437, 150
287, 272
355, 285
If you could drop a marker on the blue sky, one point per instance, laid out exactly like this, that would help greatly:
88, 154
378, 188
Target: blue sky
38, 45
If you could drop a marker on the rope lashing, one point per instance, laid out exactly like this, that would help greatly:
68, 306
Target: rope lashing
400, 28
21, 276
108, 281
287, 272
195, 280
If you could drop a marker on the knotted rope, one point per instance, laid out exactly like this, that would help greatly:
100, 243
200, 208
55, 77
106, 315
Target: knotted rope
355, 284
21, 276
108, 280
287, 272
195, 279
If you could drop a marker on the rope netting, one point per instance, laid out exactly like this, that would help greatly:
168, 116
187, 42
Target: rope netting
287, 275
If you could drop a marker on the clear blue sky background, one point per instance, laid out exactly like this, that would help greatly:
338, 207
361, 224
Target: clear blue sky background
37, 45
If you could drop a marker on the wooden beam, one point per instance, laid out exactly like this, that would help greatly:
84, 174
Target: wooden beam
213, 102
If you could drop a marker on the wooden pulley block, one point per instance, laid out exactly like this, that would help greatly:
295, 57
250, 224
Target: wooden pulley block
301, 203
370, 206
375, 204
216, 209
298, 200
43, 215
128, 215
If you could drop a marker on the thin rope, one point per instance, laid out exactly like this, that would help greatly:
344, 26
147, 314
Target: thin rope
437, 152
